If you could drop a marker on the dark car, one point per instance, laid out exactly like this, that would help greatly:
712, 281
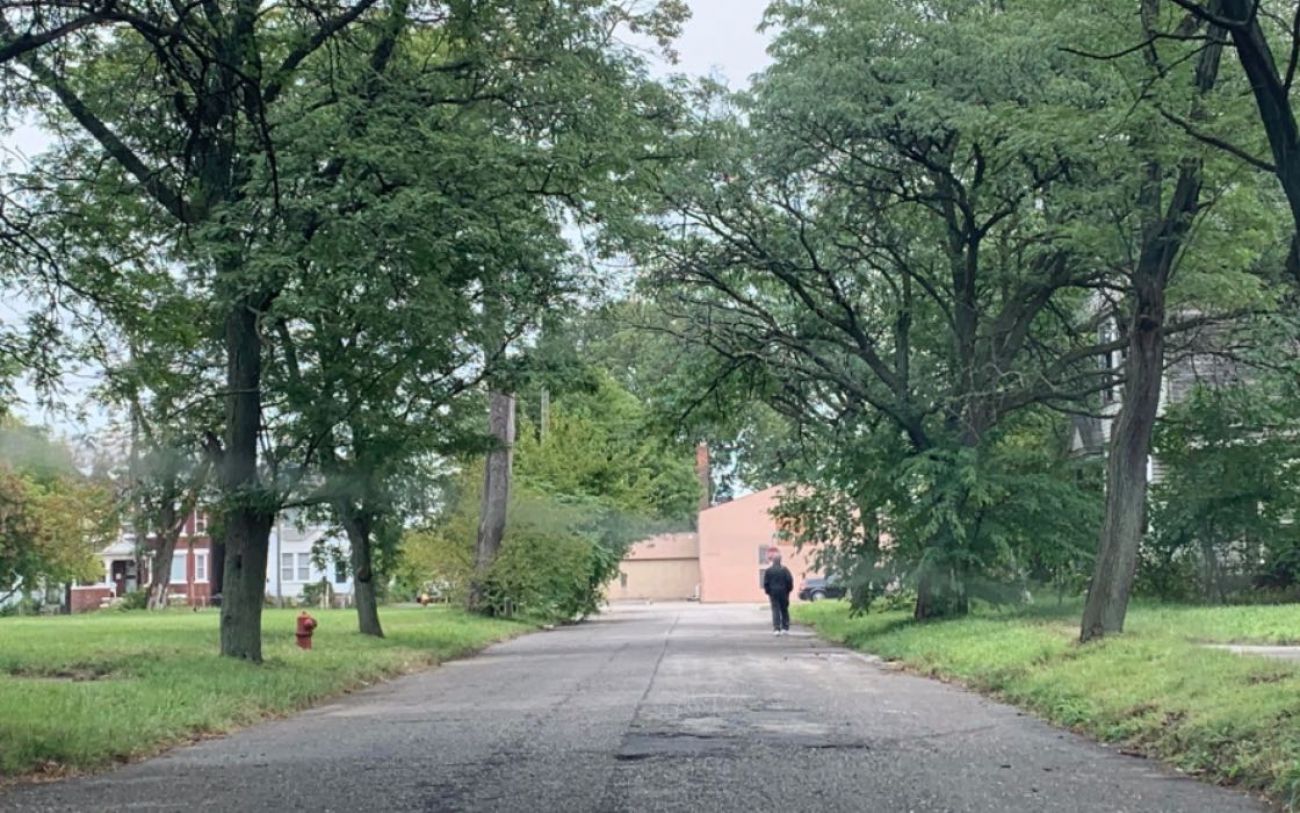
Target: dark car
820, 588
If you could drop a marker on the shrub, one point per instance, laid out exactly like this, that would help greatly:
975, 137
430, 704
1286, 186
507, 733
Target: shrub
556, 559
135, 600
557, 556
443, 555
1281, 571
314, 593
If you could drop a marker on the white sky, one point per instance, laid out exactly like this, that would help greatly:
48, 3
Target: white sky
720, 40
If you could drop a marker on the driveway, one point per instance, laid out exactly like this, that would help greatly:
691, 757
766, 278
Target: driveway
656, 708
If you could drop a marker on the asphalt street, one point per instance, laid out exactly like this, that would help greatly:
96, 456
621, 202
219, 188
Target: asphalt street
650, 708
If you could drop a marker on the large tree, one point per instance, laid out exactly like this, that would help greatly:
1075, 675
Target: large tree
1168, 202
248, 137
434, 243
182, 100
900, 243
1194, 213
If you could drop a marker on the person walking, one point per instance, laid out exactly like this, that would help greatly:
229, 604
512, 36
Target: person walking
778, 583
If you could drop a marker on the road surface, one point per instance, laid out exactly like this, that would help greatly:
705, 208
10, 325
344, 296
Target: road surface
658, 708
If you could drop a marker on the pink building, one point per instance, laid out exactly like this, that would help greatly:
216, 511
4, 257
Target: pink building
723, 562
734, 540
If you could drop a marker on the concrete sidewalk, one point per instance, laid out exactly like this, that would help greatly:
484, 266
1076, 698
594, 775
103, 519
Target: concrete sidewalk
1281, 653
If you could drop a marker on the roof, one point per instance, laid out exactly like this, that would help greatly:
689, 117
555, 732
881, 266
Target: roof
666, 546
767, 493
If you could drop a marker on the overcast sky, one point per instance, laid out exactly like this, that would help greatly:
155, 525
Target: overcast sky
720, 40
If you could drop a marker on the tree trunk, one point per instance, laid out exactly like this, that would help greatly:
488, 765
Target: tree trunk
1215, 591
544, 416
246, 519
365, 591
1163, 235
496, 494
940, 593
1126, 472
217, 565
169, 531
160, 577
177, 497
941, 588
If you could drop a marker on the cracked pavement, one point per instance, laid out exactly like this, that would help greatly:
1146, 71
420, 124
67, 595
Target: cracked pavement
649, 708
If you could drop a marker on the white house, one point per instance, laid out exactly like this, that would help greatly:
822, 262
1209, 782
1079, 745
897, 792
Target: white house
289, 565
290, 568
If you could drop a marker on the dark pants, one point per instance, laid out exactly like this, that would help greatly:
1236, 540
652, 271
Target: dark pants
780, 610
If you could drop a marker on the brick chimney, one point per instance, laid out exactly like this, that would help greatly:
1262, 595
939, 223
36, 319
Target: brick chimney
704, 475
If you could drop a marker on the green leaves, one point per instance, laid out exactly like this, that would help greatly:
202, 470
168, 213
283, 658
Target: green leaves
599, 445
1222, 514
52, 519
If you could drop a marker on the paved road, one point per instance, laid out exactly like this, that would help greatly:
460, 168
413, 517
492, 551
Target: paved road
673, 708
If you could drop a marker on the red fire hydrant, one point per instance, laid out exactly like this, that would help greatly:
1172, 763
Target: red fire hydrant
306, 624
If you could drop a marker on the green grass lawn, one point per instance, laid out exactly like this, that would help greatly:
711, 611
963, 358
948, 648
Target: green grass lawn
1228, 718
81, 692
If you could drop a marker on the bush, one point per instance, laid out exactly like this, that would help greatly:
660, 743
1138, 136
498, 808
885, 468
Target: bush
557, 556
443, 555
554, 562
1281, 572
135, 600
898, 601
314, 593
1166, 571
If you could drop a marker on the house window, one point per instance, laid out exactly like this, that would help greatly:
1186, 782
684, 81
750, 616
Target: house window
200, 567
340, 572
762, 571
762, 553
622, 579
295, 567
178, 575
200, 523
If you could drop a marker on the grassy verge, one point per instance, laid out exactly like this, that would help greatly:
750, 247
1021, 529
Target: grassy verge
1227, 718
79, 693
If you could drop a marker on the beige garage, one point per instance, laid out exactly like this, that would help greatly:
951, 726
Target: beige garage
661, 568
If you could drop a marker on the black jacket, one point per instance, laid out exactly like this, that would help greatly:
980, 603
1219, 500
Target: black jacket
777, 581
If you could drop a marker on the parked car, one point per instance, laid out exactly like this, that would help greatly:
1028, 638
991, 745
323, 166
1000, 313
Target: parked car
820, 588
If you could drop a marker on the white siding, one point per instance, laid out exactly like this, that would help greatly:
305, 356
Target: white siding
292, 543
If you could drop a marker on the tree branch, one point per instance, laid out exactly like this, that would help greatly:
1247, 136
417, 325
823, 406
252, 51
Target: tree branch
164, 195
24, 43
313, 43
1214, 141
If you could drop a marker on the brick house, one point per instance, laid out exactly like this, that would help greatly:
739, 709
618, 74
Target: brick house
125, 571
290, 566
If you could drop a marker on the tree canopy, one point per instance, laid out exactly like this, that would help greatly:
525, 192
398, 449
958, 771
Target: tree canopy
936, 254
